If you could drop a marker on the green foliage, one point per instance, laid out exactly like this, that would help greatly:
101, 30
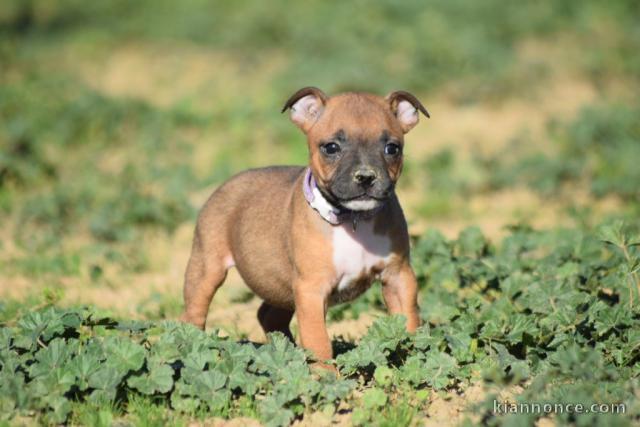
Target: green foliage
597, 151
77, 159
67, 357
53, 174
558, 310
599, 148
417, 45
40, 135
606, 141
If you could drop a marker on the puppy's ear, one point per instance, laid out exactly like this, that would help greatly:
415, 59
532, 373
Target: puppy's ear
405, 107
306, 107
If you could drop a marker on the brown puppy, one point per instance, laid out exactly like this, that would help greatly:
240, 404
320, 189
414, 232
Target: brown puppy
305, 238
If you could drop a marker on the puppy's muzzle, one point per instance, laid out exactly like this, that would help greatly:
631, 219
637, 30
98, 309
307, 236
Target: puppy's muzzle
365, 177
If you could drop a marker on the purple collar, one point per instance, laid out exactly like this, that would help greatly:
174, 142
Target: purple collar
330, 213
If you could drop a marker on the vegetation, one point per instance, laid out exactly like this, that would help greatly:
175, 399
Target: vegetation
523, 195
557, 310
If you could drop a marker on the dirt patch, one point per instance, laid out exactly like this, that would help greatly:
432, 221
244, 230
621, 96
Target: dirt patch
488, 127
219, 422
168, 74
451, 409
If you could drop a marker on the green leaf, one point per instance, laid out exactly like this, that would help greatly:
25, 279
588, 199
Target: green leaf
51, 358
38, 325
425, 338
106, 378
201, 358
55, 383
336, 390
374, 398
123, 354
188, 405
438, 367
414, 370
460, 345
212, 380
272, 413
360, 416
86, 364
365, 354
202, 384
383, 376
613, 234
278, 351
387, 332
159, 379
471, 242
518, 326
60, 409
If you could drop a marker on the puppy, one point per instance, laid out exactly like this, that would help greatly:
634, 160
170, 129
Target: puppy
306, 238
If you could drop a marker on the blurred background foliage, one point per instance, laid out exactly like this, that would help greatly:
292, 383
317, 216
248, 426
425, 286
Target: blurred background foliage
117, 119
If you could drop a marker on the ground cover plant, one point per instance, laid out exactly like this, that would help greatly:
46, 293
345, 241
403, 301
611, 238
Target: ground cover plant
559, 311
117, 119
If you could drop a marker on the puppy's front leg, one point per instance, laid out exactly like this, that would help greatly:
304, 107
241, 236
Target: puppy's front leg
400, 293
311, 309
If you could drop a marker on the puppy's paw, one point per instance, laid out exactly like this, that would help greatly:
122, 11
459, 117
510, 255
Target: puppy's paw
321, 369
198, 323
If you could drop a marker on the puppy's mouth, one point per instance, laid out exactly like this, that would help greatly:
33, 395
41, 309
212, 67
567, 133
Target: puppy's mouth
361, 202
362, 197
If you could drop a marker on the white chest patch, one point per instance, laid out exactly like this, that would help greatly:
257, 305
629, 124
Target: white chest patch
357, 257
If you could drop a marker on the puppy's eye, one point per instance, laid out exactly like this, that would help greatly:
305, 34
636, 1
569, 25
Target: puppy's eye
392, 149
330, 148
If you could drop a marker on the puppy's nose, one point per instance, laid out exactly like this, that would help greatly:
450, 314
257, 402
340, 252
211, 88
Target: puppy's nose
365, 176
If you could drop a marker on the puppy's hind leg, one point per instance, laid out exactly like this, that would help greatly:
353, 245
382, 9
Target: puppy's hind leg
205, 274
274, 319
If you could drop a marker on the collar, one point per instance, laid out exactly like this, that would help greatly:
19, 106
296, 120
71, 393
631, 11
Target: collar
330, 213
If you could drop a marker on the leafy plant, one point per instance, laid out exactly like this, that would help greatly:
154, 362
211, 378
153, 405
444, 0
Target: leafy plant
553, 310
71, 356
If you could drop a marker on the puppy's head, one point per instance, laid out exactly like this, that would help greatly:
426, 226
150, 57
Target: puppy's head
355, 142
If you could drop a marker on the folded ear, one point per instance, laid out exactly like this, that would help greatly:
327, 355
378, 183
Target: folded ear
306, 107
405, 107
